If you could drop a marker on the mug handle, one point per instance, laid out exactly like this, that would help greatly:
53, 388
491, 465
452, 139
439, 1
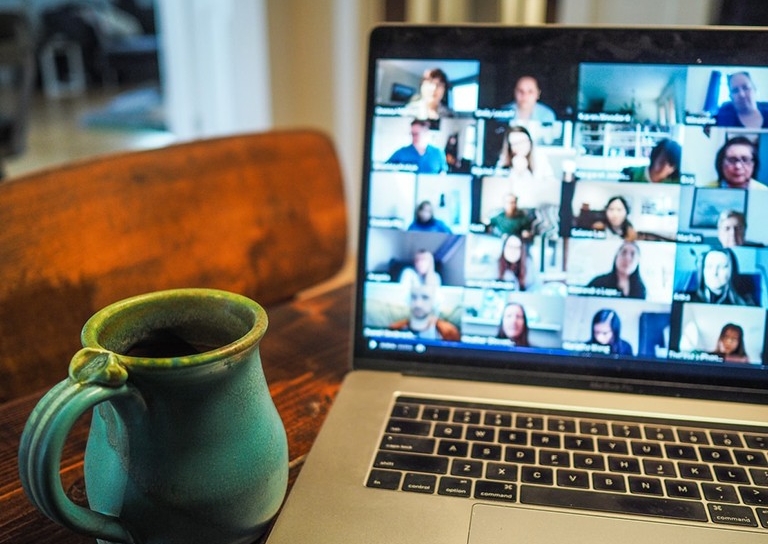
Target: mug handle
95, 376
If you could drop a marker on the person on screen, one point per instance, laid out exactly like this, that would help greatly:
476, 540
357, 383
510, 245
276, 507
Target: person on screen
519, 155
625, 274
526, 105
736, 163
427, 158
731, 228
428, 102
730, 344
423, 270
717, 271
663, 167
514, 325
513, 263
606, 331
424, 220
615, 220
512, 220
423, 321
743, 110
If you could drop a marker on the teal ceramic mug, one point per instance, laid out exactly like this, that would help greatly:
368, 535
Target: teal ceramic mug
185, 445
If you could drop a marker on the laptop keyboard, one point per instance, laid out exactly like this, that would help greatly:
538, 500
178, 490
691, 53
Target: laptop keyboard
677, 470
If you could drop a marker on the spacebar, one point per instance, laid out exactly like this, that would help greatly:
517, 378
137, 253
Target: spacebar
613, 502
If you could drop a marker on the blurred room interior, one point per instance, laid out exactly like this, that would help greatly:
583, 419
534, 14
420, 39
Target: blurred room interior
112, 75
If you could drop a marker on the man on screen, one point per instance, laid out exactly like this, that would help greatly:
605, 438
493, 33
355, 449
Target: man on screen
423, 321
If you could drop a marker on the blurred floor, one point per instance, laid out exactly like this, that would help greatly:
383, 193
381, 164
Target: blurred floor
57, 136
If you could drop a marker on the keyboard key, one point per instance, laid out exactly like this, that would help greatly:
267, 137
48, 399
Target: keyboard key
759, 476
695, 471
544, 440
580, 443
681, 452
734, 475
756, 496
406, 410
498, 419
750, 458
537, 475
593, 428
513, 437
561, 425
573, 478
453, 448
455, 487
628, 465
435, 413
762, 515
484, 434
487, 452
496, 491
725, 439
659, 433
411, 462
653, 467
472, 469
610, 445
446, 430
606, 481
613, 502
520, 455
720, 492
588, 461
419, 483
470, 417
645, 486
715, 455
625, 430
402, 442
501, 471
404, 426
756, 442
682, 489
646, 449
730, 514
384, 479
535, 423
689, 436
554, 458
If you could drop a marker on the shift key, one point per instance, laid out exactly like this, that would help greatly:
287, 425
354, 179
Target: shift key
411, 462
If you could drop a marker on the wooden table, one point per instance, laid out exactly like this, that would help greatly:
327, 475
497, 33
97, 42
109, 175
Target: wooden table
305, 355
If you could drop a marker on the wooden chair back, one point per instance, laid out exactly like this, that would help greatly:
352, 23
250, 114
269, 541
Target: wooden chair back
258, 214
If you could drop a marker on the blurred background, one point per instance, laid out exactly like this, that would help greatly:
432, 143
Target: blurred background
84, 77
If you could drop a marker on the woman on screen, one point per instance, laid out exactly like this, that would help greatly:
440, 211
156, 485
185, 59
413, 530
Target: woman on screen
615, 220
428, 103
514, 325
513, 263
717, 271
737, 163
730, 344
606, 331
625, 274
519, 155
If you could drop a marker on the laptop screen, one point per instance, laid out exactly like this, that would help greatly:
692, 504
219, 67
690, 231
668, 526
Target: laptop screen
567, 203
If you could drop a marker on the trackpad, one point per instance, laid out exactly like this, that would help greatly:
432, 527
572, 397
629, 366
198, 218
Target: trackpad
511, 525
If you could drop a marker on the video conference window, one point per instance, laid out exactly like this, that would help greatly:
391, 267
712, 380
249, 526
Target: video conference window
519, 320
716, 334
629, 210
428, 89
621, 269
610, 222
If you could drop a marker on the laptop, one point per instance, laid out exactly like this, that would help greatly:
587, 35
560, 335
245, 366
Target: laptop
560, 320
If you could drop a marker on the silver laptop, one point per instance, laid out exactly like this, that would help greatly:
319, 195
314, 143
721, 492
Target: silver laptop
560, 320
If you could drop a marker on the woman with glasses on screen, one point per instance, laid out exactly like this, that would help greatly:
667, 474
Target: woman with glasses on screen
736, 164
